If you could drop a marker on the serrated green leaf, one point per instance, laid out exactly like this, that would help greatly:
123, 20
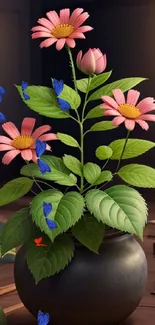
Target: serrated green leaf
73, 164
59, 173
105, 176
82, 85
91, 172
119, 207
99, 80
63, 212
134, 148
95, 112
89, 232
68, 140
43, 101
3, 319
103, 152
44, 262
17, 230
71, 96
123, 84
138, 175
15, 189
103, 126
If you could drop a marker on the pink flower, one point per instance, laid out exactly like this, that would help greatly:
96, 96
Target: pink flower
23, 143
61, 29
93, 61
128, 111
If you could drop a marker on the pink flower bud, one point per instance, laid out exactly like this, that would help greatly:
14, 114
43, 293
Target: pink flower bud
92, 62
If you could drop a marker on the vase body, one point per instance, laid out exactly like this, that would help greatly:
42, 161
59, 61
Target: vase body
94, 289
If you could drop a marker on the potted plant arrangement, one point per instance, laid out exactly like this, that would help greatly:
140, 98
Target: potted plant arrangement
79, 262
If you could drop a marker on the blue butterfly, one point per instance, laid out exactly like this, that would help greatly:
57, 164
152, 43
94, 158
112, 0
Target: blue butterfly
47, 208
63, 104
58, 86
2, 92
44, 168
43, 319
51, 224
24, 87
2, 118
40, 147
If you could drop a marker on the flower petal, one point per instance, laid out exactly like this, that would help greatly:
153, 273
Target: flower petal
101, 64
26, 154
45, 23
119, 96
130, 124
60, 43
75, 14
9, 156
118, 120
77, 35
112, 112
78, 58
64, 16
144, 125
70, 42
5, 140
5, 147
84, 29
110, 101
41, 34
88, 63
34, 156
27, 125
132, 97
53, 17
40, 29
11, 129
39, 131
48, 42
146, 105
80, 20
48, 137
147, 117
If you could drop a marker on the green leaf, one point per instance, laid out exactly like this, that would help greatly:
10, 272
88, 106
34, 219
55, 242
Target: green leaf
67, 210
105, 176
82, 85
68, 140
119, 207
71, 96
99, 80
73, 164
17, 230
138, 175
44, 262
95, 112
59, 173
3, 319
91, 172
134, 148
123, 84
15, 189
103, 152
103, 126
43, 101
89, 232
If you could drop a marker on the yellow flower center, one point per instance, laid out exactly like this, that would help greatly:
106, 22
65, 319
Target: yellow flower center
23, 142
129, 111
62, 30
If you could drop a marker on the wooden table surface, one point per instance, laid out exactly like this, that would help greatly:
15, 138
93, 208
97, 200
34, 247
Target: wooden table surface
144, 314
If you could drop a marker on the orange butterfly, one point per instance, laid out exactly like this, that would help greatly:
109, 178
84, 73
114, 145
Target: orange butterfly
38, 241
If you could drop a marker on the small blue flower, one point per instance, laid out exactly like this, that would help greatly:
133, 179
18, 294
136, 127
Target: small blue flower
2, 92
47, 208
44, 168
58, 86
43, 319
40, 147
63, 104
2, 118
51, 224
24, 87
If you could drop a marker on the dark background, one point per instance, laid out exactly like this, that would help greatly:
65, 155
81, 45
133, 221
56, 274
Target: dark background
124, 30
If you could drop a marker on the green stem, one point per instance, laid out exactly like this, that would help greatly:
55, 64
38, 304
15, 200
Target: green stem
125, 143
73, 67
82, 154
105, 164
33, 177
86, 96
39, 181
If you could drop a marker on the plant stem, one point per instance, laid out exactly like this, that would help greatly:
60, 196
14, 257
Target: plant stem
33, 177
125, 143
86, 96
82, 155
73, 67
39, 181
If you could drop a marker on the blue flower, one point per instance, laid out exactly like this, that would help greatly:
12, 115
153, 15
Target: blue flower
43, 319
51, 224
47, 208
2, 118
24, 87
2, 92
44, 168
40, 147
58, 86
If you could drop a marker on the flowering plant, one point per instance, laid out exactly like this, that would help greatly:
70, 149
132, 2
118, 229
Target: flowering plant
88, 202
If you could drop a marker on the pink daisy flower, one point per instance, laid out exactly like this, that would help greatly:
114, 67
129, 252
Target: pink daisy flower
128, 111
61, 29
23, 143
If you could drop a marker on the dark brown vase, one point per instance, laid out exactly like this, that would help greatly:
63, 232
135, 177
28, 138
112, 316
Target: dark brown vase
94, 289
